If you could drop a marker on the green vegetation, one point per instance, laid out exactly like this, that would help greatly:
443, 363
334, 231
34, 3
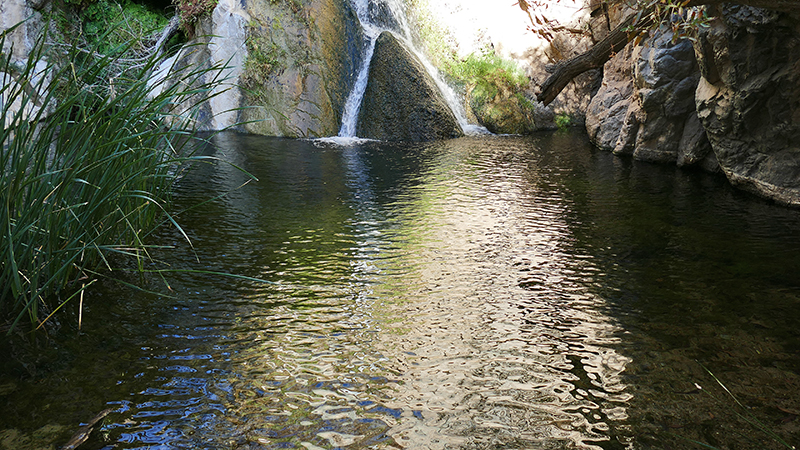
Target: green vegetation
190, 11
137, 24
264, 57
563, 121
487, 75
431, 33
88, 166
494, 88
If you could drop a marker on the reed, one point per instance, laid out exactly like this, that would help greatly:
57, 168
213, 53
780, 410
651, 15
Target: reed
89, 154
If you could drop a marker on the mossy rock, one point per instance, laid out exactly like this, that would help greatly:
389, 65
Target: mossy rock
503, 112
402, 101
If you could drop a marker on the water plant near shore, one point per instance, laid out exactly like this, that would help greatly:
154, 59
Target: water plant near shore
87, 166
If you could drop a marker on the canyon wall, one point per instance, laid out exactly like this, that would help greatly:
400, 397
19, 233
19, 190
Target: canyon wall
286, 67
730, 101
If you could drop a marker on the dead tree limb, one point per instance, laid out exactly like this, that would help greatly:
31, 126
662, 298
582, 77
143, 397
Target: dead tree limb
601, 52
166, 34
616, 40
83, 432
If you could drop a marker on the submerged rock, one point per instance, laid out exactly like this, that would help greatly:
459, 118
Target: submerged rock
748, 99
402, 101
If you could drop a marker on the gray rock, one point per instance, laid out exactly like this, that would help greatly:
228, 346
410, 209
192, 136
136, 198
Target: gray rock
749, 99
402, 101
646, 102
694, 147
608, 110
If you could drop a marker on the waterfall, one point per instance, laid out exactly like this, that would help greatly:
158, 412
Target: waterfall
373, 27
353, 103
451, 97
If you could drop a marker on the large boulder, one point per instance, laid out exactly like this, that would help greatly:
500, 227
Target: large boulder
748, 99
645, 106
402, 102
608, 109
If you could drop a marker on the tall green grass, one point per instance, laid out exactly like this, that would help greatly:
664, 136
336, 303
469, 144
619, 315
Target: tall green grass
89, 154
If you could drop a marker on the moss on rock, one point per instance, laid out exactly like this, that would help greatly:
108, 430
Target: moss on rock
402, 101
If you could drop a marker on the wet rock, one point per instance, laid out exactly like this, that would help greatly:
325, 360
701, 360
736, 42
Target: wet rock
402, 101
748, 100
287, 67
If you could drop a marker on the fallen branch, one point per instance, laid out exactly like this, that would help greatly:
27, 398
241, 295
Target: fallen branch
601, 52
83, 432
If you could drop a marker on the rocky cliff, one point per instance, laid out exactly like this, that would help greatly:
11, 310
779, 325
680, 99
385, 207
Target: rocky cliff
645, 106
287, 65
730, 102
748, 98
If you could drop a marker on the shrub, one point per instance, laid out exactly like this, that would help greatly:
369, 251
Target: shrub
190, 11
563, 121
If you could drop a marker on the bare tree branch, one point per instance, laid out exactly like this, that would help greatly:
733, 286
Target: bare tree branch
601, 52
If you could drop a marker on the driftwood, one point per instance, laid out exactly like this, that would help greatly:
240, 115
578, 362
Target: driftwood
601, 52
83, 432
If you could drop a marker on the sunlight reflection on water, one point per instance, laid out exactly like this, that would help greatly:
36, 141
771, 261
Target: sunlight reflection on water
485, 292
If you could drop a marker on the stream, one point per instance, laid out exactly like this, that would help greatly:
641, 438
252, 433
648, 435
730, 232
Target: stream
488, 292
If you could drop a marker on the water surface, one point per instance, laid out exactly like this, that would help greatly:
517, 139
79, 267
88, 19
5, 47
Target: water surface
484, 292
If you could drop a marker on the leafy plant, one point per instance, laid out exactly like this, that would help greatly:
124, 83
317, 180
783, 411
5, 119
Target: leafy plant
190, 11
135, 27
487, 69
264, 57
563, 121
88, 164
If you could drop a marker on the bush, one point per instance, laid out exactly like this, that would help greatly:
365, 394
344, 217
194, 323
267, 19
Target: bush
137, 24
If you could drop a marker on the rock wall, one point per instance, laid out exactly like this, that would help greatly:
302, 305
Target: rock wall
23, 16
288, 66
645, 106
729, 102
748, 99
402, 101
20, 41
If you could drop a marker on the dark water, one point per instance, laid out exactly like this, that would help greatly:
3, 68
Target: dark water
492, 292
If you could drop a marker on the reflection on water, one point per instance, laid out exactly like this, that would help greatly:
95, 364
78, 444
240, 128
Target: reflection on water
492, 292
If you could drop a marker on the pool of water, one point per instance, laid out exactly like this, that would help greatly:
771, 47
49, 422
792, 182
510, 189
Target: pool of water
485, 292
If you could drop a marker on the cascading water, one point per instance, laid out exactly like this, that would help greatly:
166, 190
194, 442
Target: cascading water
453, 99
353, 103
372, 29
